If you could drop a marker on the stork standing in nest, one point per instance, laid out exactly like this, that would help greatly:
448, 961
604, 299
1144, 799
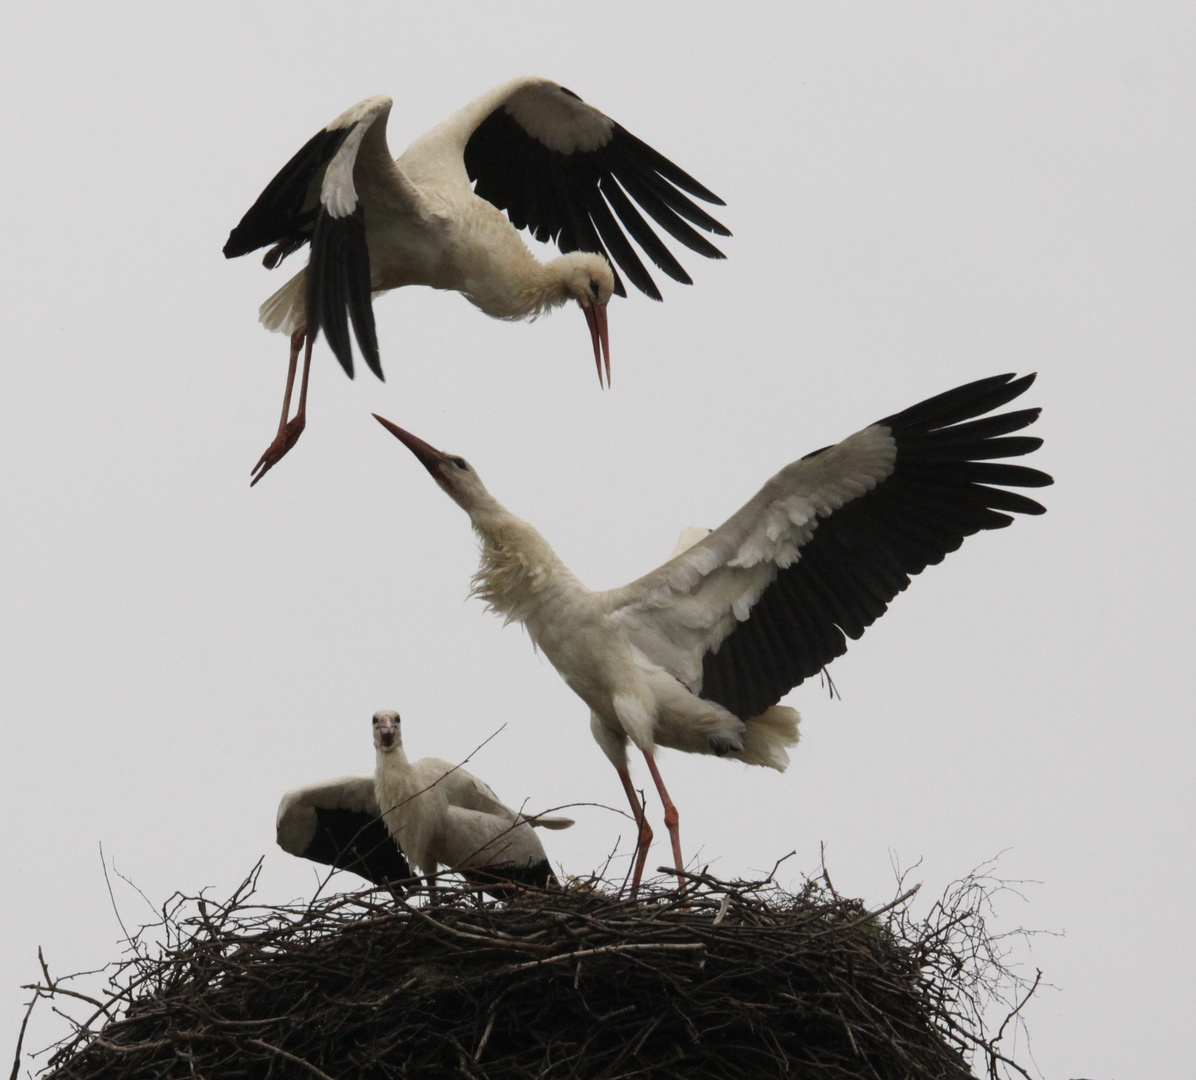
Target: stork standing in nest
424, 814
697, 654
557, 167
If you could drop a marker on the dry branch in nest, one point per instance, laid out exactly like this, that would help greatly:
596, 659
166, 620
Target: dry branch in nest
733, 979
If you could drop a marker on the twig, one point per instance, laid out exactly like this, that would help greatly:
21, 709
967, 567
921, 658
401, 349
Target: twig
826, 873
290, 1057
669, 946
55, 988
112, 896
16, 1059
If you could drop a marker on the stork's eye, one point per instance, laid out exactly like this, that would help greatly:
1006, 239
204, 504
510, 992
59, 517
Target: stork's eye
460, 462
594, 288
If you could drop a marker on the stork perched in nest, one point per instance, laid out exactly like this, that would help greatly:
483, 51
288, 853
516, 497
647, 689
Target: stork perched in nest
427, 814
556, 165
697, 654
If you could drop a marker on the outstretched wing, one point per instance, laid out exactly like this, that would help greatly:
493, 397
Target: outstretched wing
314, 200
771, 596
337, 823
570, 174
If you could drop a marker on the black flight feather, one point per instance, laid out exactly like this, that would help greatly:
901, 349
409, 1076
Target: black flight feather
944, 487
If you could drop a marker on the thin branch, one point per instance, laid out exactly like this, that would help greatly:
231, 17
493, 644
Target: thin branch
112, 896
16, 1059
290, 1057
561, 957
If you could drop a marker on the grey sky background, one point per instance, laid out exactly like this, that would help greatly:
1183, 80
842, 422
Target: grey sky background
921, 194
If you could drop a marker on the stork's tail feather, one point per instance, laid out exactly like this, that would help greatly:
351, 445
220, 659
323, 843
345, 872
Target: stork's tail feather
545, 822
283, 313
766, 737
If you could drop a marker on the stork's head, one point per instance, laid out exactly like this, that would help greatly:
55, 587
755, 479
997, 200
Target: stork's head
387, 736
588, 279
453, 474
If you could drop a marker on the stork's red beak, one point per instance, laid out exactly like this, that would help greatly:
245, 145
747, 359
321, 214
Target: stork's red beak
429, 456
596, 321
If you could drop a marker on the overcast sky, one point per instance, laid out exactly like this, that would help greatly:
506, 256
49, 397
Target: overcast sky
921, 194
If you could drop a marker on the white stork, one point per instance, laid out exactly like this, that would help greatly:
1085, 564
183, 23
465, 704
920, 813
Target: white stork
557, 166
430, 812
696, 654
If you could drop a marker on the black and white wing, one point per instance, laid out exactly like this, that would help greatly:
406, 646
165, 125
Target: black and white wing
314, 200
572, 175
771, 596
337, 823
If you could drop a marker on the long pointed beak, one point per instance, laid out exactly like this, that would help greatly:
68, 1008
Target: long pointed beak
429, 456
596, 320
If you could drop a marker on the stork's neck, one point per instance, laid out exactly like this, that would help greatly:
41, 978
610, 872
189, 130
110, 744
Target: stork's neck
524, 288
391, 763
409, 809
520, 576
491, 266
394, 785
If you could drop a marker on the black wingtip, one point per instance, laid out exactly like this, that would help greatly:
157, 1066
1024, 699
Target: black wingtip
951, 479
345, 358
236, 246
278, 212
373, 361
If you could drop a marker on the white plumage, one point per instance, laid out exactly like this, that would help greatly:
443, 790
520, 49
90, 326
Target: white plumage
435, 217
696, 654
424, 815
441, 815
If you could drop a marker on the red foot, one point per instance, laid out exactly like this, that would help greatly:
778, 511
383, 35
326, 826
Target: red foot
277, 450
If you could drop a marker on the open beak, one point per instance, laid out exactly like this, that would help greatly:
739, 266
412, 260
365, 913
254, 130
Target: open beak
386, 734
596, 320
429, 456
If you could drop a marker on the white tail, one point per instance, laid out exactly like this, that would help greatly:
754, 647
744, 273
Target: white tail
549, 822
284, 312
766, 737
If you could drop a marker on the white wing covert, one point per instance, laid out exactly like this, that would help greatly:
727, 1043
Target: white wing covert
684, 609
571, 175
466, 790
770, 597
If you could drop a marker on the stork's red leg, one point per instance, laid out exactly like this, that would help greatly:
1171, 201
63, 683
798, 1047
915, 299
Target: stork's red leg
645, 831
671, 817
288, 430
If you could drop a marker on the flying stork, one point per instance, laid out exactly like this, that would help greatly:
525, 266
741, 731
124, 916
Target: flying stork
557, 167
696, 654
427, 814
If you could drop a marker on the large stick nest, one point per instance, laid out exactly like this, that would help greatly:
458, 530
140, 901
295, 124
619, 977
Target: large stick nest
728, 980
